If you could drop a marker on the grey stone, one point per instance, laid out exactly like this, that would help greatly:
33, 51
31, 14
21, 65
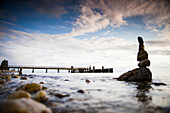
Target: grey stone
144, 63
137, 75
23, 105
142, 55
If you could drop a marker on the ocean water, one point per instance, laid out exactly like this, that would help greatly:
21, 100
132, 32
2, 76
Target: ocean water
102, 94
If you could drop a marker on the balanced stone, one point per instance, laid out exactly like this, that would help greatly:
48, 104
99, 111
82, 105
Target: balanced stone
142, 55
141, 45
144, 63
142, 73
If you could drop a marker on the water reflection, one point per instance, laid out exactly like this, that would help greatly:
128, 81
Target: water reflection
143, 92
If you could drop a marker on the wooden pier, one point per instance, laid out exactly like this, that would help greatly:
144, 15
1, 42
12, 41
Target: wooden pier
70, 69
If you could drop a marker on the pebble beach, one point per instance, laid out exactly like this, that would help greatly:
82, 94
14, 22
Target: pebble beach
84, 93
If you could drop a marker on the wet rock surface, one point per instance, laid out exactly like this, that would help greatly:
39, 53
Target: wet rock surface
41, 82
1, 86
20, 94
31, 87
40, 96
87, 81
23, 105
23, 78
2, 82
59, 95
5, 77
159, 84
80, 91
137, 75
15, 76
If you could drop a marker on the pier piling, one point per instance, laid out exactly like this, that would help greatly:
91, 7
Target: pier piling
93, 68
72, 69
20, 71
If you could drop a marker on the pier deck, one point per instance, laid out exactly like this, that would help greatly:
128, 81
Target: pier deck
70, 69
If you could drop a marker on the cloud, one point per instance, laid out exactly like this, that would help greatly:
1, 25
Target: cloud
2, 34
8, 23
65, 50
98, 14
45, 49
162, 44
136, 25
52, 8
57, 50
90, 21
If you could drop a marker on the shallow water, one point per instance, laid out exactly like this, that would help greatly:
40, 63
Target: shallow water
102, 94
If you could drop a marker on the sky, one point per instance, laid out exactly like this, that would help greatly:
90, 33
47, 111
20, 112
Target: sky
84, 32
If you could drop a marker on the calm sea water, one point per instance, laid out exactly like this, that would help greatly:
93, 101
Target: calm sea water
102, 94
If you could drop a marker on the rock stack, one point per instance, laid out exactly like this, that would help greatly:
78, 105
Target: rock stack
142, 73
142, 55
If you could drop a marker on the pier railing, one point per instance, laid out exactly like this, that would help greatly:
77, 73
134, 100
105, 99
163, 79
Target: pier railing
70, 69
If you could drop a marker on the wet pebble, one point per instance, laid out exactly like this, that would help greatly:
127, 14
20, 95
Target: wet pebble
40, 96
2, 82
44, 88
66, 80
15, 76
158, 84
1, 86
87, 81
41, 82
20, 94
103, 80
80, 91
23, 105
77, 99
31, 88
23, 78
6, 77
59, 95
71, 99
12, 74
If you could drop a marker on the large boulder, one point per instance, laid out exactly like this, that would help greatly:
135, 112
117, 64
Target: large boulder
23, 105
137, 75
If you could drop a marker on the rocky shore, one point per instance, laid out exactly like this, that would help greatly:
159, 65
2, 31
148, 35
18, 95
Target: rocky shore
70, 94
26, 99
